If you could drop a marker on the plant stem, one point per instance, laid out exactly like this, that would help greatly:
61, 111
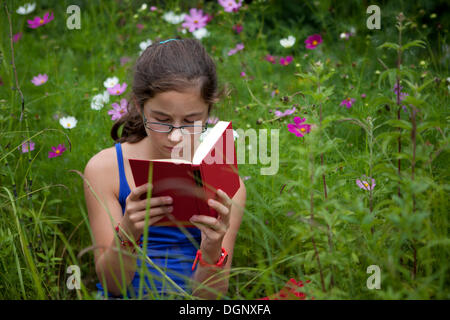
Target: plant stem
312, 221
413, 165
399, 62
330, 241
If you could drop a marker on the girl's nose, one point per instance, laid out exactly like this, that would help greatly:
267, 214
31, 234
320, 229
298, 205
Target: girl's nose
175, 135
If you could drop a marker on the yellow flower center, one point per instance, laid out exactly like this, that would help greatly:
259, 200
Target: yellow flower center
68, 125
314, 43
42, 80
118, 91
57, 151
366, 184
41, 21
195, 21
302, 129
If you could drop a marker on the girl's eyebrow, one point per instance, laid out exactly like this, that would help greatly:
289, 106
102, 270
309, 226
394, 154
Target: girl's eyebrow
164, 114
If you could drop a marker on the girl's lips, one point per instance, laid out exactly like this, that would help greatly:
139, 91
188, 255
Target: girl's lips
173, 148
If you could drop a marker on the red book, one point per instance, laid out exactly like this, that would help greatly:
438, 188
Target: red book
192, 183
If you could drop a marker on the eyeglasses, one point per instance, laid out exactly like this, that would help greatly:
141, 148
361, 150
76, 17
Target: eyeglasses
167, 128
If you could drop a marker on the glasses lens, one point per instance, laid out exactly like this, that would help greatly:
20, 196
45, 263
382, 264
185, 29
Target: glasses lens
159, 127
193, 130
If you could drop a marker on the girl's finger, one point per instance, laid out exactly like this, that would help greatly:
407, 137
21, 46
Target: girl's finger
208, 232
225, 198
138, 192
219, 207
156, 202
210, 222
140, 215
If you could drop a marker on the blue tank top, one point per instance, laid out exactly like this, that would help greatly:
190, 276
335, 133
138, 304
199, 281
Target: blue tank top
169, 248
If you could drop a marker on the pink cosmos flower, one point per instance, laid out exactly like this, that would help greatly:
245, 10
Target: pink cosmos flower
347, 102
286, 61
39, 79
238, 47
313, 41
117, 90
270, 58
124, 60
153, 8
212, 120
38, 21
230, 5
363, 184
363, 96
57, 151
118, 111
17, 37
196, 20
285, 113
27, 146
242, 74
238, 28
298, 127
209, 17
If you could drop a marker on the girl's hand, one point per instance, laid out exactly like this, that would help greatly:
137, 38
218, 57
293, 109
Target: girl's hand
214, 229
133, 221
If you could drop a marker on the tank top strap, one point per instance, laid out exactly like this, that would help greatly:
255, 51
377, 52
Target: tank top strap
124, 189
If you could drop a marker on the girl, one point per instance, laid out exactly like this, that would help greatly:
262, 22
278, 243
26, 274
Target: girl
174, 86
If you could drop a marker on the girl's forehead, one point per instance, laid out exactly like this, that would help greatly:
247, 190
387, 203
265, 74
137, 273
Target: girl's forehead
176, 103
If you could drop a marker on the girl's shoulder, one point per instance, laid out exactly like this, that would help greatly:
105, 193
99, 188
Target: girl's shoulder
103, 168
104, 159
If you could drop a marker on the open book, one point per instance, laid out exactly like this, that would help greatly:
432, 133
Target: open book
191, 184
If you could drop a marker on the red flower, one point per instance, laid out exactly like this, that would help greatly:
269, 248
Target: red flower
289, 291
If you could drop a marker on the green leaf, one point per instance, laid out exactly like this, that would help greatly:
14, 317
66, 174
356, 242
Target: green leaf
380, 100
414, 43
414, 101
389, 45
399, 124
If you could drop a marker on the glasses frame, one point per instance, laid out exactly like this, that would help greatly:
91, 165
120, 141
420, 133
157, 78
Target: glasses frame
171, 127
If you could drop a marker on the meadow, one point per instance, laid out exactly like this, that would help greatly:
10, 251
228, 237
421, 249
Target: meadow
358, 208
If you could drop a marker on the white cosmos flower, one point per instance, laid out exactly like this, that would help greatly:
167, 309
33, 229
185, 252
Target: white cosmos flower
111, 82
201, 33
143, 7
26, 8
99, 100
68, 122
171, 17
288, 42
144, 44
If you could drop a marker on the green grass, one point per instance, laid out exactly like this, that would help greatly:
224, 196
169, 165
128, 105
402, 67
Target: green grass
44, 231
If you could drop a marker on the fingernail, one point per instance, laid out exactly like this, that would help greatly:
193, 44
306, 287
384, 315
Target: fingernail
168, 199
210, 202
193, 218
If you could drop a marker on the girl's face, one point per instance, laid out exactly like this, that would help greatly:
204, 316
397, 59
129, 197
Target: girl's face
178, 109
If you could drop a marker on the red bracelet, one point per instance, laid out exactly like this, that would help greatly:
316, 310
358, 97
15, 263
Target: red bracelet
221, 263
126, 243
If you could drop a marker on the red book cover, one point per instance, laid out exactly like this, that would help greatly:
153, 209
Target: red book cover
191, 184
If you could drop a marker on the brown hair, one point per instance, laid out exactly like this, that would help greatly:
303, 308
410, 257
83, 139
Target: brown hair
174, 65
